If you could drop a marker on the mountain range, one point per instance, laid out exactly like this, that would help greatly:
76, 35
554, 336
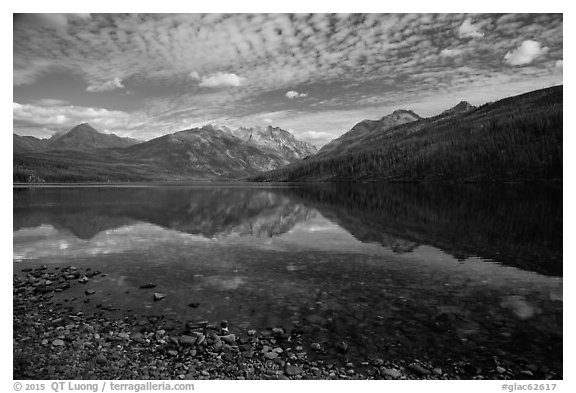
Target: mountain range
204, 153
517, 139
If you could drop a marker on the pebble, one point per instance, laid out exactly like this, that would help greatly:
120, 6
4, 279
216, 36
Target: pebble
57, 342
391, 372
271, 355
100, 359
229, 339
158, 296
527, 373
89, 292
187, 340
293, 370
418, 369
500, 370
342, 347
315, 346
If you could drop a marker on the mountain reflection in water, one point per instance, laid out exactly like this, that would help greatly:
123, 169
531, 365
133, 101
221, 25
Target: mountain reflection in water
403, 271
517, 226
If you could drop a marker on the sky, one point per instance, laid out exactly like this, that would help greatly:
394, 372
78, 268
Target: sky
316, 75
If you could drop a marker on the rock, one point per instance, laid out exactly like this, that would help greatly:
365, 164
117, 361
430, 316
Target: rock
391, 372
89, 292
158, 296
200, 338
500, 370
100, 359
293, 370
418, 369
58, 343
315, 346
342, 347
271, 355
277, 331
193, 305
266, 348
378, 362
278, 350
83, 280
187, 340
315, 319
532, 367
124, 335
437, 371
172, 352
527, 373
229, 339
147, 286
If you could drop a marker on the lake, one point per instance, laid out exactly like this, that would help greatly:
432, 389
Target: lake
455, 275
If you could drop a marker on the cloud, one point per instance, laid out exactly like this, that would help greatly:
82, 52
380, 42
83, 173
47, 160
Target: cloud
447, 52
113, 84
220, 79
54, 21
559, 63
317, 136
469, 30
66, 117
364, 62
50, 102
294, 94
526, 53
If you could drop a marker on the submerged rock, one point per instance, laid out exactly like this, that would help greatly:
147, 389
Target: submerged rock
158, 296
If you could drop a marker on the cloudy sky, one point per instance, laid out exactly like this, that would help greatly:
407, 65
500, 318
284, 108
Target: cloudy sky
317, 75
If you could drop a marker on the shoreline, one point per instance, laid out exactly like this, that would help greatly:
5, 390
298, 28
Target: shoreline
52, 342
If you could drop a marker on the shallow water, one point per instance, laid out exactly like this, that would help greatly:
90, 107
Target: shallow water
396, 271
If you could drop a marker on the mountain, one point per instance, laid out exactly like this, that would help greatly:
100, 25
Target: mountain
28, 143
206, 153
275, 139
84, 137
366, 129
517, 139
459, 109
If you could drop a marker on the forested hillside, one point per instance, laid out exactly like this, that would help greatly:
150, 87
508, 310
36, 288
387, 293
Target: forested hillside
518, 139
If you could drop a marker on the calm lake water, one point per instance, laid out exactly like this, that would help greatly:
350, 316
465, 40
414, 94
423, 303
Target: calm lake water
396, 271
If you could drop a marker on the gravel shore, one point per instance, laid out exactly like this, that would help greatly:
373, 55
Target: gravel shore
52, 341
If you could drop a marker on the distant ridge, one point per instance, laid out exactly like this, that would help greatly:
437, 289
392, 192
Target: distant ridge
84, 137
203, 153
